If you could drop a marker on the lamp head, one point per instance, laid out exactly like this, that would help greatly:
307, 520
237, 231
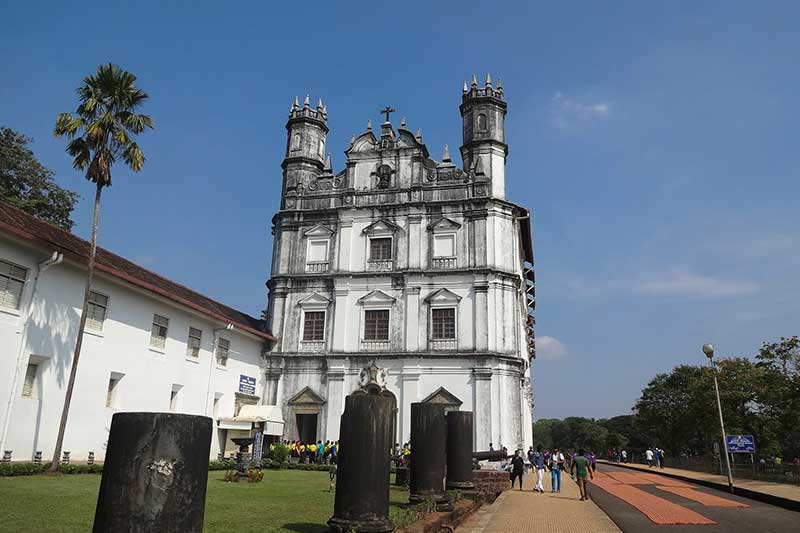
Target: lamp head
708, 349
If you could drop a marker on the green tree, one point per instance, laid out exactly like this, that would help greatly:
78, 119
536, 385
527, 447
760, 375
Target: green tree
780, 394
101, 132
28, 185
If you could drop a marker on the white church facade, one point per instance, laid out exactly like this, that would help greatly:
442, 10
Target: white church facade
150, 345
420, 266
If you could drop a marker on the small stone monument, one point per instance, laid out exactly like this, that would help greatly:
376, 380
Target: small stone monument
65, 458
459, 450
362, 488
155, 474
37, 458
7, 456
90, 460
428, 444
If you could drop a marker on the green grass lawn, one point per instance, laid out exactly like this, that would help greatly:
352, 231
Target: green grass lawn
287, 500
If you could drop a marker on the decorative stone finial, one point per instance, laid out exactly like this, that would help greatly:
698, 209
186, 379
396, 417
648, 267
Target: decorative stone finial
319, 103
446, 154
403, 122
488, 80
295, 104
325, 110
352, 139
418, 135
465, 89
306, 102
369, 124
499, 85
373, 378
474, 81
328, 166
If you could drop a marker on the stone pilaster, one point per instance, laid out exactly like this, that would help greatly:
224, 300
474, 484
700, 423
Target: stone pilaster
481, 316
483, 408
409, 393
341, 341
412, 318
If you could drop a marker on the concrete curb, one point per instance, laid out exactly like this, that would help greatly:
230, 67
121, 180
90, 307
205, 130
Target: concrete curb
779, 501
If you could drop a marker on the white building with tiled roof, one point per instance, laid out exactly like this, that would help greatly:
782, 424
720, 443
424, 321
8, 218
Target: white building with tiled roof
150, 345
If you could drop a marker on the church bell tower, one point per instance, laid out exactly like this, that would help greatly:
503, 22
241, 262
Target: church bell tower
484, 152
306, 135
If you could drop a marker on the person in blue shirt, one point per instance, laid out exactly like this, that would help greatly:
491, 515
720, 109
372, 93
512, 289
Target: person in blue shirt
537, 463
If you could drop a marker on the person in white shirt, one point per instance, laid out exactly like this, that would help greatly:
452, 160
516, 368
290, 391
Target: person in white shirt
556, 466
648, 455
624, 456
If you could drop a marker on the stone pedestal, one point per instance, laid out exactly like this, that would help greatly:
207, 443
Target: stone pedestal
155, 474
459, 450
428, 442
362, 487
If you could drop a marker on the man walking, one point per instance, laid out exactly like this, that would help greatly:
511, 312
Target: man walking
538, 464
517, 467
556, 466
581, 468
648, 455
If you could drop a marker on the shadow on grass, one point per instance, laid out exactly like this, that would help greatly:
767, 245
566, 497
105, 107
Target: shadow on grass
306, 527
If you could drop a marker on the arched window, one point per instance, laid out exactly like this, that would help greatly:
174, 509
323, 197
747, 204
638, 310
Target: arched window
321, 147
482, 122
296, 142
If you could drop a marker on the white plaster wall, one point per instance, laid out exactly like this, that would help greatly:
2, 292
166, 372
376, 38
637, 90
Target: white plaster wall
122, 347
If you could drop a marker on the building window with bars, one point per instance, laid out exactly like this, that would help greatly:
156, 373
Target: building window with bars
12, 281
158, 334
380, 249
443, 323
96, 311
376, 325
223, 348
193, 344
29, 385
314, 325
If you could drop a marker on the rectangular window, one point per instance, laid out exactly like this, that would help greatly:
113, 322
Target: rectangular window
29, 385
193, 344
158, 334
173, 399
96, 312
314, 326
12, 281
380, 249
112, 387
317, 251
443, 323
223, 347
376, 325
444, 246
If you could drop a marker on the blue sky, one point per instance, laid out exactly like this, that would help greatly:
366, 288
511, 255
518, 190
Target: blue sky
655, 142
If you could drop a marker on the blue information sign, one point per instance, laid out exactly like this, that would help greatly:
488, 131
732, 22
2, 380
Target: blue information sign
247, 384
741, 443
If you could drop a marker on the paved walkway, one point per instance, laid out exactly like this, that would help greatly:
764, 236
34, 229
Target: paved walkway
521, 511
780, 490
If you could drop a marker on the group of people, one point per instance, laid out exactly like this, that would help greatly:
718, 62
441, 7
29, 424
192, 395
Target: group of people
618, 456
581, 465
318, 453
654, 457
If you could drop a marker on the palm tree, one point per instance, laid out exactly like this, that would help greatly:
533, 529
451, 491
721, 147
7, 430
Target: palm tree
101, 131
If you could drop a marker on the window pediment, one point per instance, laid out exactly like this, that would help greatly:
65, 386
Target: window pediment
443, 296
381, 227
443, 224
376, 297
314, 300
319, 231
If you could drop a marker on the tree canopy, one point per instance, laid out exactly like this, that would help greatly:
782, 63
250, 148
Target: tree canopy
28, 185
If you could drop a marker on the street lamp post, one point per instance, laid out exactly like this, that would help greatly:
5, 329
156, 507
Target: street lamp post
708, 349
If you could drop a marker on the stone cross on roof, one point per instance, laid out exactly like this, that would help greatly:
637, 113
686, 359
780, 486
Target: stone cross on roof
387, 110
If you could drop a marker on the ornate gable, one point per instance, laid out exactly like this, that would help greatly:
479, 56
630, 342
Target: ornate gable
314, 299
381, 226
443, 396
363, 143
376, 297
319, 231
306, 397
443, 224
443, 296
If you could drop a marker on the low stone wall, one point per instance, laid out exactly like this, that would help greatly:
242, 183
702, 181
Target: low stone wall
435, 522
488, 485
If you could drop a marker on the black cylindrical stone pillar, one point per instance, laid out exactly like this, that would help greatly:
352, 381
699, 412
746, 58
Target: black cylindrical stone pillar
362, 487
155, 474
459, 450
428, 442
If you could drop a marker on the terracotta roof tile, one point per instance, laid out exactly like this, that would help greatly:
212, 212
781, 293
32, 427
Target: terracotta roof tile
30, 228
